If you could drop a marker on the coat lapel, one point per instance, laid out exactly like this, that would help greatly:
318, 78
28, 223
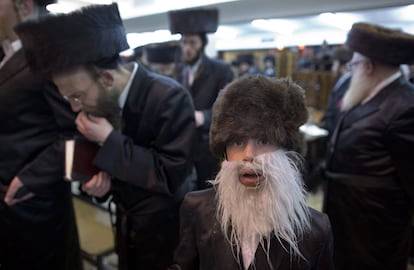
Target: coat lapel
202, 75
14, 65
372, 106
135, 102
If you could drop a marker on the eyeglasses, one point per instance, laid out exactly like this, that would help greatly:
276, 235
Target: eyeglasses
350, 65
79, 96
75, 98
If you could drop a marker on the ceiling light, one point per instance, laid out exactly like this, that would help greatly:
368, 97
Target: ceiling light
284, 27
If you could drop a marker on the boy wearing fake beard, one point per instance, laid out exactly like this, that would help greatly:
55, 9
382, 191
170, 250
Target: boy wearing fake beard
255, 216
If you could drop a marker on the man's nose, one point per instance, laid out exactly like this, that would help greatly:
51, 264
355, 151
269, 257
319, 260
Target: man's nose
249, 151
76, 107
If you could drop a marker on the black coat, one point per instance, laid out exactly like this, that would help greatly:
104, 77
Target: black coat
213, 75
150, 161
39, 233
204, 247
370, 173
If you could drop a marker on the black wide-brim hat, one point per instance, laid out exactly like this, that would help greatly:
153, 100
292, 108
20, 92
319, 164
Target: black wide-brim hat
259, 107
193, 21
163, 53
245, 58
44, 3
86, 36
385, 45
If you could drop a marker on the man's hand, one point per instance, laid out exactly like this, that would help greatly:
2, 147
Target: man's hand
15, 185
99, 185
94, 128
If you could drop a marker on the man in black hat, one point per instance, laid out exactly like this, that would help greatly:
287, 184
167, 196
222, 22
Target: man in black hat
246, 64
162, 57
255, 216
370, 187
340, 57
203, 76
143, 122
37, 223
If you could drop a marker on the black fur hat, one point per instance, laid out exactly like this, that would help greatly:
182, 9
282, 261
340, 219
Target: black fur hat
193, 21
93, 34
259, 107
164, 52
245, 58
44, 3
382, 44
342, 54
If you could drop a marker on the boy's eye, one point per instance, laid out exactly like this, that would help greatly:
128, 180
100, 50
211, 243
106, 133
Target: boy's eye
262, 142
237, 142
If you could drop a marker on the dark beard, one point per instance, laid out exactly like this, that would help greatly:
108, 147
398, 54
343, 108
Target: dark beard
107, 106
192, 61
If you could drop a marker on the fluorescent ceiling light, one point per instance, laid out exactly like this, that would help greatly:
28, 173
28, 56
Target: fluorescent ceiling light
341, 21
140, 39
161, 6
280, 26
227, 32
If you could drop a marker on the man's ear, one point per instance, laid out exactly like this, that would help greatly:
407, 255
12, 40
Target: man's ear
107, 77
369, 66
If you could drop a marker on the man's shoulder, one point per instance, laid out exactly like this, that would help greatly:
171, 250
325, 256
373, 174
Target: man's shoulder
200, 197
217, 63
319, 222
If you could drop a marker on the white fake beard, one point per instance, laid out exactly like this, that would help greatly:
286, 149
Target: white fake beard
276, 207
358, 90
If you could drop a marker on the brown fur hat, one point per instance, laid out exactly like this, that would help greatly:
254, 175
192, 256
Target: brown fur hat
259, 107
382, 44
89, 35
193, 21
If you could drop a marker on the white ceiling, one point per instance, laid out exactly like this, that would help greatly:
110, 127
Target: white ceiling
237, 32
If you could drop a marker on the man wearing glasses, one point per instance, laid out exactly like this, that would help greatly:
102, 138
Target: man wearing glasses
143, 122
370, 166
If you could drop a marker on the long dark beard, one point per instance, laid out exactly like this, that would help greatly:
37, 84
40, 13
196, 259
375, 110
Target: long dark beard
107, 106
277, 207
193, 60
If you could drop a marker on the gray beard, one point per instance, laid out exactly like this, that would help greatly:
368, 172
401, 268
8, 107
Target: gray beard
358, 90
277, 207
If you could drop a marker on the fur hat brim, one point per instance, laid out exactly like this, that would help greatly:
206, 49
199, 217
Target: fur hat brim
57, 42
44, 3
259, 107
382, 44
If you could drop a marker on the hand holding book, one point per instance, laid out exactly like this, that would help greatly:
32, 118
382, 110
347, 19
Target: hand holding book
79, 156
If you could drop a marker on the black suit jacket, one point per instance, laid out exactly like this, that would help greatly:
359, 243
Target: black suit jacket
32, 117
370, 179
213, 75
152, 155
39, 233
203, 246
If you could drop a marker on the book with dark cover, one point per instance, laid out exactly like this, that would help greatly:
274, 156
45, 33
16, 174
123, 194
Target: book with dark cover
79, 155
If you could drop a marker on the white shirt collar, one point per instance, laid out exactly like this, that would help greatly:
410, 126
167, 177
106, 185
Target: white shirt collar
194, 68
10, 49
382, 85
125, 92
16, 45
